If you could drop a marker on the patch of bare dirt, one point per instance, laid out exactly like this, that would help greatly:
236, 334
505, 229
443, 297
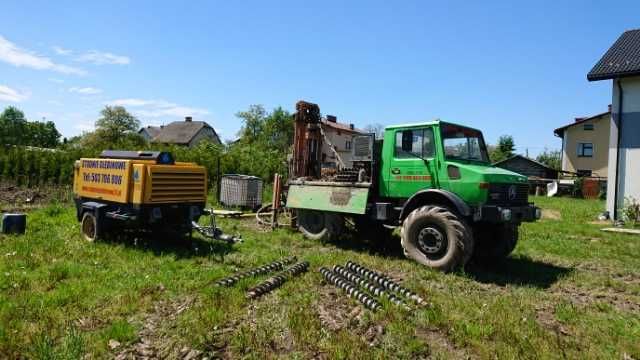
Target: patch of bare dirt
152, 343
440, 345
585, 297
17, 197
549, 214
545, 317
336, 312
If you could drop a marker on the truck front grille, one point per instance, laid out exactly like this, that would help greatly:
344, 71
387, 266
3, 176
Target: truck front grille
173, 185
508, 194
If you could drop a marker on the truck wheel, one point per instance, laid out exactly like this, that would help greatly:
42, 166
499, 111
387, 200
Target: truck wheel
435, 237
89, 227
496, 243
318, 225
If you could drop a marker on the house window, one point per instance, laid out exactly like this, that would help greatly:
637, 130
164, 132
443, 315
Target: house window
347, 145
588, 127
585, 150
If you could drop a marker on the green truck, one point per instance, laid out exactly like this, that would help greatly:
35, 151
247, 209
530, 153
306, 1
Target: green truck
435, 181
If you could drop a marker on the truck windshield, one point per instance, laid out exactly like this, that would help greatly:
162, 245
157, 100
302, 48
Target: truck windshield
462, 143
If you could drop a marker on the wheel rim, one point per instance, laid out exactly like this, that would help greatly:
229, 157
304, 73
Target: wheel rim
432, 242
313, 222
88, 228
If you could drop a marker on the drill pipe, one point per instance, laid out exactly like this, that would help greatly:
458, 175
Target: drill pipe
384, 281
277, 280
273, 266
350, 289
370, 287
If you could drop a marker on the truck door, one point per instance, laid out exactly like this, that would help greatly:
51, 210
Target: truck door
412, 165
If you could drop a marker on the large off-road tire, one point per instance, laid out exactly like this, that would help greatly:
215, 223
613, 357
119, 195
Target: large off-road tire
89, 227
495, 242
319, 225
434, 236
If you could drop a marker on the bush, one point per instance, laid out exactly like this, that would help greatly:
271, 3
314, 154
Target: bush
631, 210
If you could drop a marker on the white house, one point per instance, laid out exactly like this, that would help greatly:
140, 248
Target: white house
621, 64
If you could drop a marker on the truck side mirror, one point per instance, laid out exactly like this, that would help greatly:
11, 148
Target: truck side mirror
407, 141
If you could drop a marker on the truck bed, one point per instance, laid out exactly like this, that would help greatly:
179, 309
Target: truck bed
350, 198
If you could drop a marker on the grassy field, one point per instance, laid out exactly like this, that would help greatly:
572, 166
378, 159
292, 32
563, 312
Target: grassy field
568, 291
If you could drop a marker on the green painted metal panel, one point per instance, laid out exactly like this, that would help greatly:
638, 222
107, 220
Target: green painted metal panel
344, 199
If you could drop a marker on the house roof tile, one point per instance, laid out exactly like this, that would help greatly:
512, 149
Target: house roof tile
622, 59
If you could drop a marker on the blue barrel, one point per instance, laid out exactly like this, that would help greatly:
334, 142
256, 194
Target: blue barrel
14, 223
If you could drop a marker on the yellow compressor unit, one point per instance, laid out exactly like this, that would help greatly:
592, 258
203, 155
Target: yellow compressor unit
138, 190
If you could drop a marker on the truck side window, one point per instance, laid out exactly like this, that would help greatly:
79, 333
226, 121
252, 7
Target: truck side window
422, 144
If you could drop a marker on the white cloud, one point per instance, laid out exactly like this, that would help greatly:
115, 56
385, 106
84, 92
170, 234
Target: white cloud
12, 54
61, 51
85, 90
103, 58
158, 108
54, 102
56, 80
11, 95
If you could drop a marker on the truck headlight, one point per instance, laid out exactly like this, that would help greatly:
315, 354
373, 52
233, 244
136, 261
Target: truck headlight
505, 214
538, 213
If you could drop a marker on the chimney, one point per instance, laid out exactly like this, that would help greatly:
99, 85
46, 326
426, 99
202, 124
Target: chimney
609, 107
351, 126
188, 118
332, 118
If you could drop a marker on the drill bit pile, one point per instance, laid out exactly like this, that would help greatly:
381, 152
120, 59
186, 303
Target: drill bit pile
384, 281
277, 280
350, 288
361, 283
273, 266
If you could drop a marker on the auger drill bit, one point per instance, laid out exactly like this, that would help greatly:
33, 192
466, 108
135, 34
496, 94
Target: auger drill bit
277, 280
273, 266
369, 286
385, 282
350, 289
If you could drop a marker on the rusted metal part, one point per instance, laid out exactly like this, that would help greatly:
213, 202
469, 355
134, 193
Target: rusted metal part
273, 266
307, 141
350, 288
277, 280
370, 287
385, 282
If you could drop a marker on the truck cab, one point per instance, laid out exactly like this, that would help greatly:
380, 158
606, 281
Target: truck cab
453, 159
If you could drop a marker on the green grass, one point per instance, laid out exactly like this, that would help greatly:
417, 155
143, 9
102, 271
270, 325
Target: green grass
569, 290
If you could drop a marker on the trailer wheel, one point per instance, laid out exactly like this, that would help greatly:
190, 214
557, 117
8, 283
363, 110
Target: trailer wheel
496, 243
437, 238
89, 227
318, 225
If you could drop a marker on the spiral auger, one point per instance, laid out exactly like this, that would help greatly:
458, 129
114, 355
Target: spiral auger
384, 282
350, 289
273, 266
277, 280
369, 286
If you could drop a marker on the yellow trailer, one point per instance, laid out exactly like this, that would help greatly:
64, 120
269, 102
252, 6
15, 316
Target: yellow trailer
138, 189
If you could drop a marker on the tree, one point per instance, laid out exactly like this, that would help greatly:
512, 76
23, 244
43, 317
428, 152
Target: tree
115, 123
12, 126
504, 150
253, 119
376, 128
551, 158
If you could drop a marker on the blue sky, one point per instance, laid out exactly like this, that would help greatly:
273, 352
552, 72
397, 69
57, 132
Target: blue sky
505, 68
